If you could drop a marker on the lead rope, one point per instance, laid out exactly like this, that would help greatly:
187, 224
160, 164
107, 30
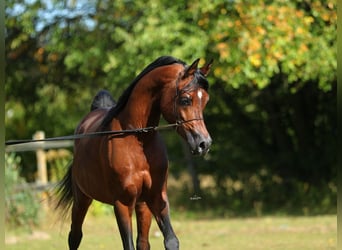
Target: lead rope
102, 133
112, 133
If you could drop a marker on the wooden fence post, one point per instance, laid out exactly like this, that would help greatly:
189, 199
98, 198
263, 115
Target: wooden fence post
42, 177
41, 160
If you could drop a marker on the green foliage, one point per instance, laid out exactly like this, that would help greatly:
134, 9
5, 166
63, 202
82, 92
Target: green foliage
100, 209
21, 206
258, 40
58, 161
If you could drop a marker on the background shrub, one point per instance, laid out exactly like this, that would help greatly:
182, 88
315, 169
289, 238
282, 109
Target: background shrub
21, 203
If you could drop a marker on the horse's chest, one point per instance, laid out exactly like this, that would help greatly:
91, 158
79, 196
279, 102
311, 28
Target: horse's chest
129, 163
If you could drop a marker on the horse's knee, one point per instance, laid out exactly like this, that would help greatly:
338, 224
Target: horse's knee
143, 244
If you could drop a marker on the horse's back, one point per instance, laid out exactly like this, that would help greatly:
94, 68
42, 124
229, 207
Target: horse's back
102, 102
92, 121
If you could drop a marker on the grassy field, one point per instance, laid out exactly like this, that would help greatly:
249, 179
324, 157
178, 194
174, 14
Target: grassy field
283, 233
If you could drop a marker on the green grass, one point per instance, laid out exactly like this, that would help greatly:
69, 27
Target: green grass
101, 232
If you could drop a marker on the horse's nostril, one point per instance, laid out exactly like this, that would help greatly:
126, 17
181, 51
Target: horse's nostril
202, 145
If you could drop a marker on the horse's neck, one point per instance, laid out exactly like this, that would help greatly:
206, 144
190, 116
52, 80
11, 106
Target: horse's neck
142, 109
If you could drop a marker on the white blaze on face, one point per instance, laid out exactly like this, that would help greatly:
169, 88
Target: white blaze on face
199, 94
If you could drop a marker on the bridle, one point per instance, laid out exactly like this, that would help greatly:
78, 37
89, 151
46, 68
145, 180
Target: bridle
179, 121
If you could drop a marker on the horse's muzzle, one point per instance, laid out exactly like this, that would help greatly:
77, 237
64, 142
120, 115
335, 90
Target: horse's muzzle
199, 145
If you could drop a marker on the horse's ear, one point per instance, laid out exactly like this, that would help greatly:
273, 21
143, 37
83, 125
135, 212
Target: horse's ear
206, 68
192, 68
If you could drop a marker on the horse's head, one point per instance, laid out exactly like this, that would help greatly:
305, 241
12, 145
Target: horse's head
184, 105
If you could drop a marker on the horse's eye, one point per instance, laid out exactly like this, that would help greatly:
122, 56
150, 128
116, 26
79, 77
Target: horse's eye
185, 101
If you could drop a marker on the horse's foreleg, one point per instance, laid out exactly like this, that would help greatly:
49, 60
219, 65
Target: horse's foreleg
79, 210
160, 209
123, 215
144, 218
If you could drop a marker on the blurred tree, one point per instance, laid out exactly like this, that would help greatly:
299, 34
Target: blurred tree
277, 77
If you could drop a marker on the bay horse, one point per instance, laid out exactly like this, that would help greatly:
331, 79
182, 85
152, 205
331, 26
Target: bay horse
129, 171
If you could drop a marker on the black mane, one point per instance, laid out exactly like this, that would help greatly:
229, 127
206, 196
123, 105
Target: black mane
114, 111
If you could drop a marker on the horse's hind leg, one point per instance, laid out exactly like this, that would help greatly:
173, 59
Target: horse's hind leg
79, 210
144, 218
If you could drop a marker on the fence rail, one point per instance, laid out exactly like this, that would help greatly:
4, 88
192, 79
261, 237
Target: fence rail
34, 146
36, 186
39, 148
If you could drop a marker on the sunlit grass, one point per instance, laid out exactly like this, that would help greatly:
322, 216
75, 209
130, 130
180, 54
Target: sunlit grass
101, 232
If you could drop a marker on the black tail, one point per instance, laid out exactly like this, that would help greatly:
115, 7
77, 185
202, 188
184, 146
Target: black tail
64, 193
103, 99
